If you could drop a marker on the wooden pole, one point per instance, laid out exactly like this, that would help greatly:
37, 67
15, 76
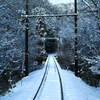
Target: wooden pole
76, 40
26, 40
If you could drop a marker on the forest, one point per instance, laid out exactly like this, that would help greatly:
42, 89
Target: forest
12, 39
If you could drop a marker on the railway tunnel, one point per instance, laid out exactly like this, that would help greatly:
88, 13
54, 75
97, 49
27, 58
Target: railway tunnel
51, 45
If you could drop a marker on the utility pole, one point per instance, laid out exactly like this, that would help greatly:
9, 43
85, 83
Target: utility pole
76, 39
26, 39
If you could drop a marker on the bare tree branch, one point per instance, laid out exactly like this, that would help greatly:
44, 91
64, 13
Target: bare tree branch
97, 16
94, 3
10, 7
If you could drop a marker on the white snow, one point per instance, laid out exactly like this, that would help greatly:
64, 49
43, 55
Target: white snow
74, 88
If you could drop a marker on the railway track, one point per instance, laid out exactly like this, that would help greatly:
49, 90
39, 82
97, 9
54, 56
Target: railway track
53, 70
42, 81
61, 86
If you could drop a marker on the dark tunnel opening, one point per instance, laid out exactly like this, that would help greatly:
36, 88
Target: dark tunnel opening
51, 45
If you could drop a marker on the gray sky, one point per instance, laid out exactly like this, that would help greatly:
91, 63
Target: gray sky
60, 1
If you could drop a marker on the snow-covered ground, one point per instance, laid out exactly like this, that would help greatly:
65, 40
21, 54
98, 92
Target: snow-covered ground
74, 88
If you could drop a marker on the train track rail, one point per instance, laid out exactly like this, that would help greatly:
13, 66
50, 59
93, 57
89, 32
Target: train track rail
43, 81
61, 86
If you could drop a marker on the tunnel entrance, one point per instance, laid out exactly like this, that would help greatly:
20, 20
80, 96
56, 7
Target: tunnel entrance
51, 45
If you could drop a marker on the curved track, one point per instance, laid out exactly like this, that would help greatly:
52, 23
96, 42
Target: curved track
46, 77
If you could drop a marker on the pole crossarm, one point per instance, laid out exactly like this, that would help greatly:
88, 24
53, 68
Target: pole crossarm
52, 15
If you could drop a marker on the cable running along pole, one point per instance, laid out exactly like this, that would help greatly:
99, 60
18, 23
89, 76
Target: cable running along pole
26, 40
76, 40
